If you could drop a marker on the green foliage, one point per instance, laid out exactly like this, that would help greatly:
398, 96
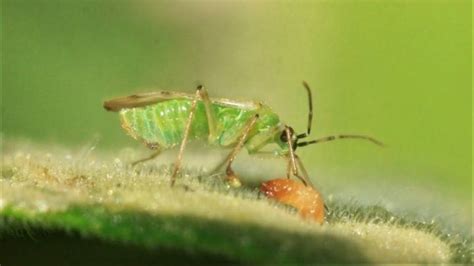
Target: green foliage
460, 246
99, 196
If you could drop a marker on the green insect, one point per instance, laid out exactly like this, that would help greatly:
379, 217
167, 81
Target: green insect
164, 119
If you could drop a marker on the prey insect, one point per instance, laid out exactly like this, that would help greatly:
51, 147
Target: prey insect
307, 200
164, 119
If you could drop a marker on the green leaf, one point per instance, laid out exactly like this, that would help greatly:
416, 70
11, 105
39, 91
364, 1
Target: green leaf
100, 196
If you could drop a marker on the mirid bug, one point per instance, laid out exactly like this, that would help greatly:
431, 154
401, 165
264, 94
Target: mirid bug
165, 119
307, 200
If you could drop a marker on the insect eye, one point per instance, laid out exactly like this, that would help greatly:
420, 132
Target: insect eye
283, 137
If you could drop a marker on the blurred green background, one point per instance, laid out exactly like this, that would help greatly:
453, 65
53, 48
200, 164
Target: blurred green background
397, 70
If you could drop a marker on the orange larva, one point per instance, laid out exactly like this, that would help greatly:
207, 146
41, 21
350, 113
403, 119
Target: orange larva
305, 199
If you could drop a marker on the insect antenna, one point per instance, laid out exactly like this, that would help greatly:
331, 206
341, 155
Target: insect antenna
310, 113
335, 137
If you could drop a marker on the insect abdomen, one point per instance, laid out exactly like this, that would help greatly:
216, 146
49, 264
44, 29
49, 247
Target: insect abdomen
164, 123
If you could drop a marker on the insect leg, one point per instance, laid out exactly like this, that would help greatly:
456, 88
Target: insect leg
211, 119
303, 170
152, 156
289, 169
272, 155
187, 129
294, 160
305, 173
232, 178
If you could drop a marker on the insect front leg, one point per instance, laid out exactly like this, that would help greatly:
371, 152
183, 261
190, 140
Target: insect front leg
294, 161
187, 129
289, 168
272, 155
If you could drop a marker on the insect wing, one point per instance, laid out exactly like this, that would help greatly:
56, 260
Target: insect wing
143, 99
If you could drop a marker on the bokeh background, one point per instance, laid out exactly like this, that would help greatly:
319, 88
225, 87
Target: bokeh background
397, 70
